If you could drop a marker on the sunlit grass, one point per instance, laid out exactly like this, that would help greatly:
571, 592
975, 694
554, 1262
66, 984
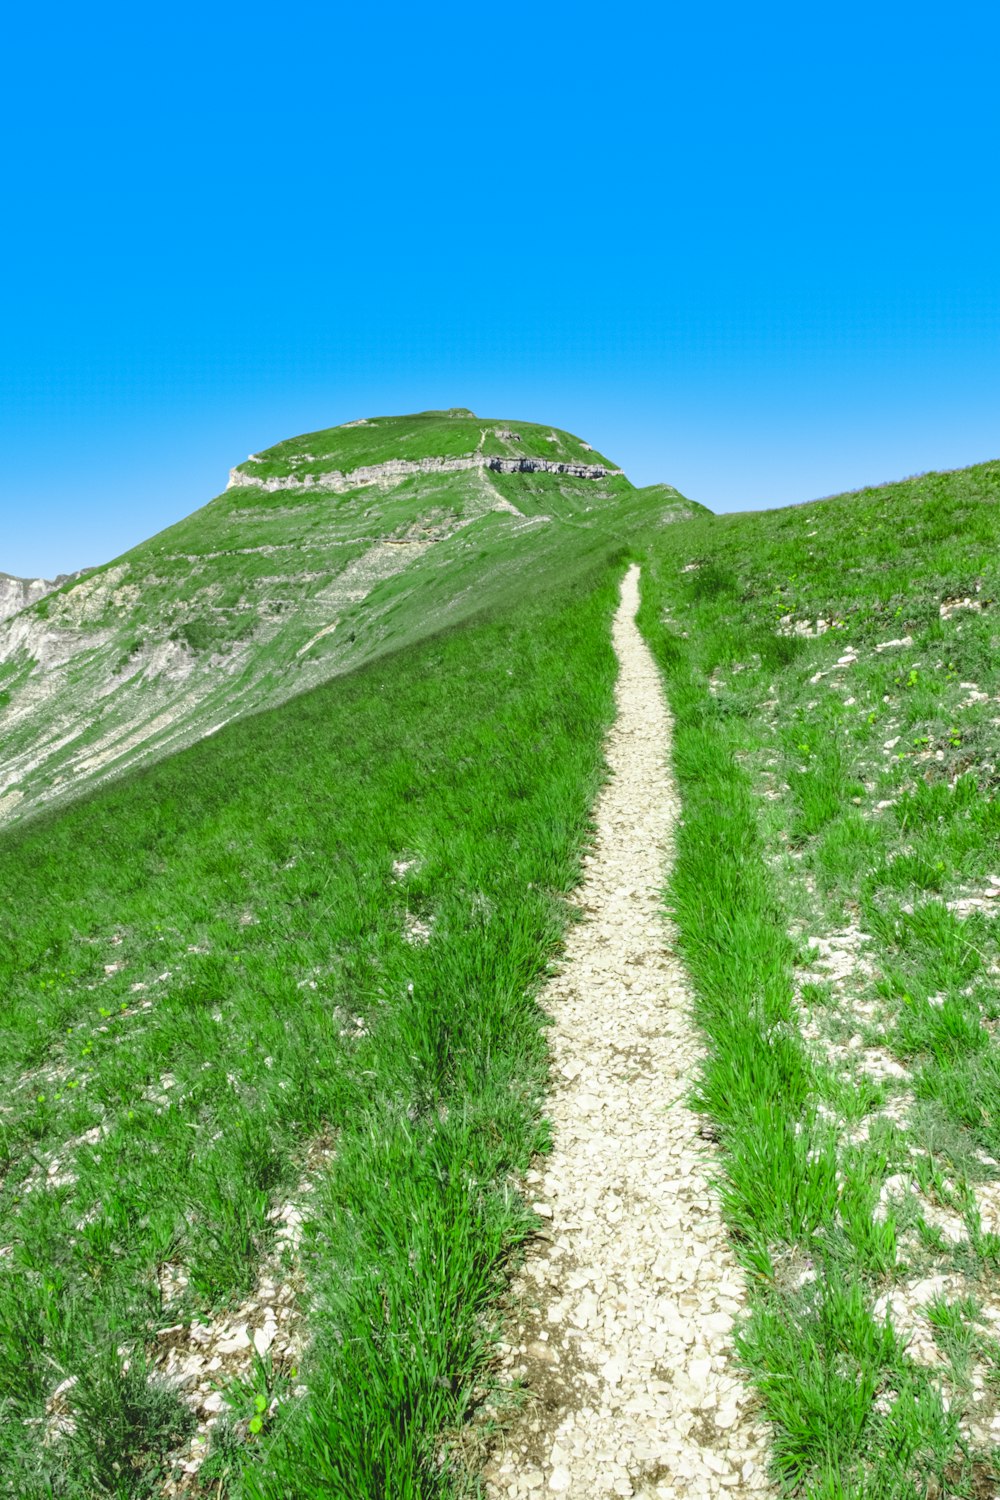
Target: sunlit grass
206, 967
830, 786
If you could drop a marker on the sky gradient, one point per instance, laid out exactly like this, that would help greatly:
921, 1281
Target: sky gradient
749, 251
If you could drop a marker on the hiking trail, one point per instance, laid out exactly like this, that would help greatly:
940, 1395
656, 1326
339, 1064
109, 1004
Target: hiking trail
622, 1330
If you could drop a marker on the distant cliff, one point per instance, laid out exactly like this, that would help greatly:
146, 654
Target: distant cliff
17, 593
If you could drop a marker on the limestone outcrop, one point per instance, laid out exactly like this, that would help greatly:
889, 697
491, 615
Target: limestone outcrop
397, 469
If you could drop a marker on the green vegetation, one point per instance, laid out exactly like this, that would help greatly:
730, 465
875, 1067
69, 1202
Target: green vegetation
260, 595
303, 953
195, 992
833, 671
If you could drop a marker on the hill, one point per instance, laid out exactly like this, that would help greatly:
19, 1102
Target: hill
274, 1067
243, 963
323, 553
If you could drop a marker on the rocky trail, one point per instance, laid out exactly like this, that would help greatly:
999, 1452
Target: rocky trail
622, 1329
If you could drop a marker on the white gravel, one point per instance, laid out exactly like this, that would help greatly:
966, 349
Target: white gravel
626, 1303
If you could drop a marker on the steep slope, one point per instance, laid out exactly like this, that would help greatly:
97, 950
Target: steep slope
322, 553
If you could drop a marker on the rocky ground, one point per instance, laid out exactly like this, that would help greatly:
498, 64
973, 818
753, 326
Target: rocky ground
17, 593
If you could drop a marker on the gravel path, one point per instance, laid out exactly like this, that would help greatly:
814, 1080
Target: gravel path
626, 1306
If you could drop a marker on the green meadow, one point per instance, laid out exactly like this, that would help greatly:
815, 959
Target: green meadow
206, 968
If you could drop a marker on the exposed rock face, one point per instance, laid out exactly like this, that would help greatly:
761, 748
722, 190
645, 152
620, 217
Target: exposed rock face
550, 466
17, 593
396, 469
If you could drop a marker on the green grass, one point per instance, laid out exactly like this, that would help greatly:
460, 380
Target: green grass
801, 821
287, 1006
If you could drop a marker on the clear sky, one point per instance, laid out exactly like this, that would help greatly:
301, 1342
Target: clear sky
749, 250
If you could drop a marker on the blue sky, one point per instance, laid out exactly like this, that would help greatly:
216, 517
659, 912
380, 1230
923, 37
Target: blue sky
752, 251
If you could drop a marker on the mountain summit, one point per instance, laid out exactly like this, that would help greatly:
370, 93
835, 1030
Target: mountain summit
323, 551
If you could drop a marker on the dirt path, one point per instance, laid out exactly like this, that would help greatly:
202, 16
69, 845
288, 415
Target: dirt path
624, 1333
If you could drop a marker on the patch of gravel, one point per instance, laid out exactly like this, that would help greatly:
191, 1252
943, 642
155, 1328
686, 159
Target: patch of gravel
203, 1358
623, 1330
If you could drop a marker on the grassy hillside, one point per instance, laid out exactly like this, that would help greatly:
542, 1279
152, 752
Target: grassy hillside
261, 595
271, 1054
272, 1060
835, 674
313, 939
